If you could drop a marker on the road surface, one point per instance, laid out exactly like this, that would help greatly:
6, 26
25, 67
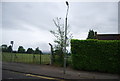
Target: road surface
7, 74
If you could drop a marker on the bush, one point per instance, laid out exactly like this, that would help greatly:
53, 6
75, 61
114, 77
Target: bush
58, 58
96, 55
58, 61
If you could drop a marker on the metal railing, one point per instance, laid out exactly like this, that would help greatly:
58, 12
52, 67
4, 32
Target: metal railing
26, 58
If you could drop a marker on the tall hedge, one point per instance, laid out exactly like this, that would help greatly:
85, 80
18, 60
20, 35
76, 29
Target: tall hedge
96, 55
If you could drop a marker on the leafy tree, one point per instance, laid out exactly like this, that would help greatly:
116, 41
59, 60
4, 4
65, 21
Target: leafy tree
60, 37
21, 49
9, 49
60, 34
14, 51
91, 35
4, 48
37, 51
30, 51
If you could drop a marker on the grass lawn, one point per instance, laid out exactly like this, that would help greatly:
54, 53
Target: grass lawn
26, 58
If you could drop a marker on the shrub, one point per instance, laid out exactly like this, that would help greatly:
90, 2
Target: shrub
96, 55
59, 61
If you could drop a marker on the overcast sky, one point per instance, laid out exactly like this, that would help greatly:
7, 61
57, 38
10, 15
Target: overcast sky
28, 23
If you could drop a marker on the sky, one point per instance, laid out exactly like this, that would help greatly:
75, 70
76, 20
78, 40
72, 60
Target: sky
28, 24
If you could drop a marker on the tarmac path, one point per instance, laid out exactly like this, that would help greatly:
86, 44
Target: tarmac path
48, 72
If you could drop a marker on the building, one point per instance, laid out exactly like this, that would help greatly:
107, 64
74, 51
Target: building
107, 36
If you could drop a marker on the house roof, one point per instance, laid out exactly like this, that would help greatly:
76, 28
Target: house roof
108, 36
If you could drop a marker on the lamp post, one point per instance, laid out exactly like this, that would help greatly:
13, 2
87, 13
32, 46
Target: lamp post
65, 58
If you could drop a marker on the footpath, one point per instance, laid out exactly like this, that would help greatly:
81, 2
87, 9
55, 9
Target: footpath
52, 71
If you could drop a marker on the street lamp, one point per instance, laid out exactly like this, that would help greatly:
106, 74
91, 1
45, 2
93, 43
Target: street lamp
67, 8
65, 37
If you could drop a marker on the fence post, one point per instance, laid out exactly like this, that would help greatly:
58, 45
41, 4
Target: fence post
12, 59
40, 58
33, 58
51, 55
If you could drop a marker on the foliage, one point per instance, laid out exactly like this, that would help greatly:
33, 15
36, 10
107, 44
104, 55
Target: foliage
60, 34
30, 51
60, 38
21, 49
59, 57
96, 55
58, 61
91, 34
37, 51
4, 48
9, 49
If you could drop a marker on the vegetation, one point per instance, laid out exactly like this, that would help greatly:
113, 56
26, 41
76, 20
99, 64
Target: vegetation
37, 51
4, 48
21, 49
30, 51
96, 55
91, 34
9, 49
60, 40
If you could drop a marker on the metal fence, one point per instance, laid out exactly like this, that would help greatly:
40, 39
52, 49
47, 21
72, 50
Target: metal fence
26, 58
30, 58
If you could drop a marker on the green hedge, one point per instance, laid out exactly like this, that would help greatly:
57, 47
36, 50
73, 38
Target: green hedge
96, 55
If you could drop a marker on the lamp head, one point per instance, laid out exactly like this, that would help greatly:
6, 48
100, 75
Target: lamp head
67, 3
